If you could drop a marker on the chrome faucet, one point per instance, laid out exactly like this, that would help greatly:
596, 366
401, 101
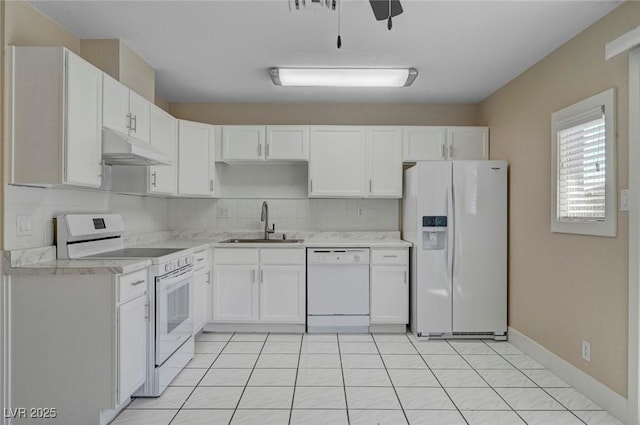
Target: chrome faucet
264, 216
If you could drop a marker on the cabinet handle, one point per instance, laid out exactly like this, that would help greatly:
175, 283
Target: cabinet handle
129, 121
146, 310
267, 149
153, 179
137, 282
253, 276
135, 123
450, 151
390, 256
442, 150
259, 149
311, 190
369, 185
405, 277
211, 185
208, 278
261, 276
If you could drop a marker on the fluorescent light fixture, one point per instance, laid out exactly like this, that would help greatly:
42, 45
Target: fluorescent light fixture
343, 77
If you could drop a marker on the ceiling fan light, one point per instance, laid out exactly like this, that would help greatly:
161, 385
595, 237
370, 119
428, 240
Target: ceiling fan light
343, 77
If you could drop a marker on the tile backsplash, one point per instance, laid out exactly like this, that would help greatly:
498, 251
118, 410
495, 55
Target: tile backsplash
287, 214
147, 214
141, 214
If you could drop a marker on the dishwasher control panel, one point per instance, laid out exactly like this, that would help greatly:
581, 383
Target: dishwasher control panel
337, 256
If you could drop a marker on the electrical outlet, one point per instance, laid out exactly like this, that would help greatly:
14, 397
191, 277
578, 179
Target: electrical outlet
23, 224
359, 211
586, 350
223, 212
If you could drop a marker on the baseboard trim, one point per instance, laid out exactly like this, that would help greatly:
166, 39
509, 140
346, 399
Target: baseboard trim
602, 395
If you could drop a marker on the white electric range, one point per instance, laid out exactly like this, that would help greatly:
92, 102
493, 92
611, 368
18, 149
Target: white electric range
170, 343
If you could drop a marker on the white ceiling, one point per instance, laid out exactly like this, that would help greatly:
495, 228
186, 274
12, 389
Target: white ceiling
220, 51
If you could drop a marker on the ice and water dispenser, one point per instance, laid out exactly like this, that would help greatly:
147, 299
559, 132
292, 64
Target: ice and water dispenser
434, 232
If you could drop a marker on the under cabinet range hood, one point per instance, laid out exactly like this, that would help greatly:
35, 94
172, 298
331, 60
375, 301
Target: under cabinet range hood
118, 149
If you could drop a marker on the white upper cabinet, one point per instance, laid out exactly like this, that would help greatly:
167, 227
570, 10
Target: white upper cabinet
55, 118
163, 179
422, 143
445, 143
258, 143
468, 142
125, 111
287, 143
336, 162
384, 162
243, 143
196, 159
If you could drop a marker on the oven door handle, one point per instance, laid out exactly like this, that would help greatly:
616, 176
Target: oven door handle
164, 287
176, 276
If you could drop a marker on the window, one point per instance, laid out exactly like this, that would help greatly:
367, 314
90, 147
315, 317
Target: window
584, 177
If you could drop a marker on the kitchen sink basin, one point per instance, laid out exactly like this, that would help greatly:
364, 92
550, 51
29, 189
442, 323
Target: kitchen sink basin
267, 241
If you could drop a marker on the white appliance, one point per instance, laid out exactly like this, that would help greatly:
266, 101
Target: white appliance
170, 343
455, 214
337, 290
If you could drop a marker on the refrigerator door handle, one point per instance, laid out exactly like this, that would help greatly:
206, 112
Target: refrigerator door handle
450, 229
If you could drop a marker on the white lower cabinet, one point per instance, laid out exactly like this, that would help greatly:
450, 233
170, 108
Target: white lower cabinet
259, 285
77, 337
202, 290
282, 294
132, 347
389, 286
235, 293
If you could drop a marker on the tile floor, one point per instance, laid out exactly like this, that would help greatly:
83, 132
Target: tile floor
379, 379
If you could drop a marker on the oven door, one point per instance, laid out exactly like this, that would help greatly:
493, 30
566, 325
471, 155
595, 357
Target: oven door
174, 311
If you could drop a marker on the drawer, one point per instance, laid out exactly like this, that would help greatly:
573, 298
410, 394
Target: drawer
235, 256
132, 285
390, 256
294, 256
201, 259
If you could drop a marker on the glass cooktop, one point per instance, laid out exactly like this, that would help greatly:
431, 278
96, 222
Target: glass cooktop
137, 253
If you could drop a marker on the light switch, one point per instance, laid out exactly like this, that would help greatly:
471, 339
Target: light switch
23, 224
223, 212
624, 200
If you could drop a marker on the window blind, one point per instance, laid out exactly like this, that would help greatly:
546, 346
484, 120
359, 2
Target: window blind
581, 167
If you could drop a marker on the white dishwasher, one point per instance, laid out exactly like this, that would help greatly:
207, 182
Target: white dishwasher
337, 290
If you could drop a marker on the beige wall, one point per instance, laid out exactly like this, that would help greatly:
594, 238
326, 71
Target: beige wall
565, 288
116, 59
137, 74
327, 113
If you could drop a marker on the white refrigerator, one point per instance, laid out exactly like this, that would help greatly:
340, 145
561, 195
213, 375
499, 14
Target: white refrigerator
455, 213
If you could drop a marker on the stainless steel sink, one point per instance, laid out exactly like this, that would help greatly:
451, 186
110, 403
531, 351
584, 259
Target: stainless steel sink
268, 241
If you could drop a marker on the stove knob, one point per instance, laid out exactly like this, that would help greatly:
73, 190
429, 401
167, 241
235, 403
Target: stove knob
167, 268
180, 262
190, 259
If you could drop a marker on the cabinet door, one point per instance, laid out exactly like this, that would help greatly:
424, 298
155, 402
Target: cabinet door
243, 143
193, 159
287, 143
336, 162
282, 294
83, 142
389, 295
115, 105
468, 142
164, 136
132, 347
235, 293
200, 300
423, 143
384, 162
140, 109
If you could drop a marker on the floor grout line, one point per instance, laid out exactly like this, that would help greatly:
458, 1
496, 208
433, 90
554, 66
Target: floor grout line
375, 342
295, 381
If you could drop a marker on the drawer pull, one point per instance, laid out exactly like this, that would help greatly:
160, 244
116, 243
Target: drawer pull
390, 256
137, 282
200, 259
